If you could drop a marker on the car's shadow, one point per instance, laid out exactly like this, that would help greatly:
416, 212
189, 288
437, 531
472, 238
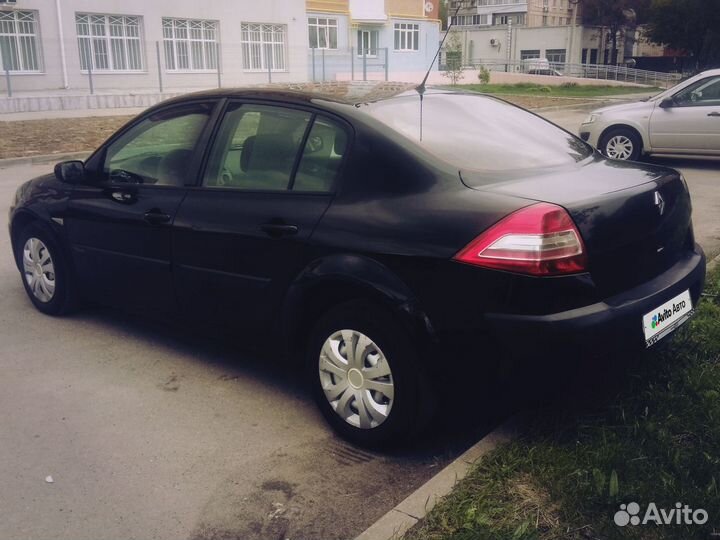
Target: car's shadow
478, 411
453, 432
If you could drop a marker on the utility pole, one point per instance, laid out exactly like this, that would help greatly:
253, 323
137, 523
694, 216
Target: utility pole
571, 57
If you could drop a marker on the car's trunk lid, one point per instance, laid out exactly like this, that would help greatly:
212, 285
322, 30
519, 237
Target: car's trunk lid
634, 218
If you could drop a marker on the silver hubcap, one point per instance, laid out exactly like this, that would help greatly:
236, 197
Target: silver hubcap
356, 379
39, 269
619, 147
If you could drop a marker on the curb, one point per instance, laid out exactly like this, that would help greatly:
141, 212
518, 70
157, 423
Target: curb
39, 160
416, 506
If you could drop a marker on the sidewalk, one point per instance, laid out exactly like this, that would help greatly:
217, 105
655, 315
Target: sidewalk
82, 100
72, 113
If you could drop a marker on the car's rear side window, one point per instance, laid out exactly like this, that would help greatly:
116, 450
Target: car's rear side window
324, 150
474, 132
257, 149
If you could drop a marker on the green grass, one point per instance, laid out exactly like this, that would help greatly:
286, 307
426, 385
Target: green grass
655, 439
530, 89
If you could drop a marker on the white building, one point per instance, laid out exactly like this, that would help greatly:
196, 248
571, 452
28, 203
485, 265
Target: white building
368, 37
184, 44
54, 44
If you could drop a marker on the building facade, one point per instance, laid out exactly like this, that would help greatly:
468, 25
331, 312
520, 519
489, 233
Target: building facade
369, 38
185, 44
56, 44
529, 13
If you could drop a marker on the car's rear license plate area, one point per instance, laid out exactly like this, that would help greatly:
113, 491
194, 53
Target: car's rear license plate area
666, 318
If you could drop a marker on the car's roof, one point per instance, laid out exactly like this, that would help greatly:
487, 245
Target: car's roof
347, 93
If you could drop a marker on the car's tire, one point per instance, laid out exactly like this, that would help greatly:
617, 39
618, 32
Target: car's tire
380, 398
621, 143
45, 272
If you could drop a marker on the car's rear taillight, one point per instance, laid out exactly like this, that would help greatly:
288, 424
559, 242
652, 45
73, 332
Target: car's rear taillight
539, 240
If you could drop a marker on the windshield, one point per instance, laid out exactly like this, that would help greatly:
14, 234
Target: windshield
476, 132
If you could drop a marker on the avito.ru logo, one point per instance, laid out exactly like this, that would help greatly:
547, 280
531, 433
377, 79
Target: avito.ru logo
629, 514
666, 314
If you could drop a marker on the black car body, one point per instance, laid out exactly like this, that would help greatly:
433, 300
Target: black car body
370, 232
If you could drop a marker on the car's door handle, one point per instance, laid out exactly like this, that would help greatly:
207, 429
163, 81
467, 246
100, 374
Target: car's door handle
278, 229
715, 113
122, 196
156, 217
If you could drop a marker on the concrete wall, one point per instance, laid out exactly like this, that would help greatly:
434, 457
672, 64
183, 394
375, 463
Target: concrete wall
477, 43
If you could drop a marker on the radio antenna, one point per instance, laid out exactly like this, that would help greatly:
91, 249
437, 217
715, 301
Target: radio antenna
421, 87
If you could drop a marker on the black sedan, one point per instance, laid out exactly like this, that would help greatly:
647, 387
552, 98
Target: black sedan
384, 238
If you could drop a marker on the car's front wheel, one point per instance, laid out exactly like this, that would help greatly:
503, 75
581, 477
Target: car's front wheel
366, 375
45, 272
621, 143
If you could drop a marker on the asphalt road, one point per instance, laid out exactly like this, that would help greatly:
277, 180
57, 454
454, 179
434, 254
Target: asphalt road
702, 175
150, 431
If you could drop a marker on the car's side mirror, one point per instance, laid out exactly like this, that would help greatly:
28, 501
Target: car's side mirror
667, 103
70, 172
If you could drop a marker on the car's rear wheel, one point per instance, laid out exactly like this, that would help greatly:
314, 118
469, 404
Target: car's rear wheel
365, 374
45, 273
621, 143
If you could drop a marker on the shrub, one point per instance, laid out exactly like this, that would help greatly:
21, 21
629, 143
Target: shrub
484, 75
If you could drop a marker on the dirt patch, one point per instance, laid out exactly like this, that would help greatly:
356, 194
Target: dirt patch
56, 136
539, 102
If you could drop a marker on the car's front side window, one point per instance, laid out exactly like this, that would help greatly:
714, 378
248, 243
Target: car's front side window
157, 150
703, 93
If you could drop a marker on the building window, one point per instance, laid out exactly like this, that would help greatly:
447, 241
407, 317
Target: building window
109, 42
407, 37
468, 20
323, 33
510, 19
528, 54
19, 41
264, 46
368, 41
555, 55
190, 45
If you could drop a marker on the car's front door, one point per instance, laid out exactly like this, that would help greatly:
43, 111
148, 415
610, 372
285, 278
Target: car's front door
119, 221
241, 235
692, 123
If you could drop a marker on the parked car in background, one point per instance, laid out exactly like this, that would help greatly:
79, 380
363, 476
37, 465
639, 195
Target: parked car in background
393, 253
539, 66
682, 120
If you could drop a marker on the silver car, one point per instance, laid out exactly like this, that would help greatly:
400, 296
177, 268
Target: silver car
682, 120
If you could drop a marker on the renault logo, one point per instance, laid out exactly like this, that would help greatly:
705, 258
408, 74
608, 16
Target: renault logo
660, 203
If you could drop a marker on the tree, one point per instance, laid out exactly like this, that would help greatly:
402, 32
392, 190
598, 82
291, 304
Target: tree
687, 25
453, 58
615, 15
443, 14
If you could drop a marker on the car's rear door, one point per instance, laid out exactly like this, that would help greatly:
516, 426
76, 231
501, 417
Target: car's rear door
240, 236
119, 222
693, 123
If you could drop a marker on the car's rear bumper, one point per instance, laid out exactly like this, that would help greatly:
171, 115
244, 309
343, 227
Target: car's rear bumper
615, 323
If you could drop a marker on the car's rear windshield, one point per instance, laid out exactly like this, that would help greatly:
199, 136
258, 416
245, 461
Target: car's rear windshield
480, 133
